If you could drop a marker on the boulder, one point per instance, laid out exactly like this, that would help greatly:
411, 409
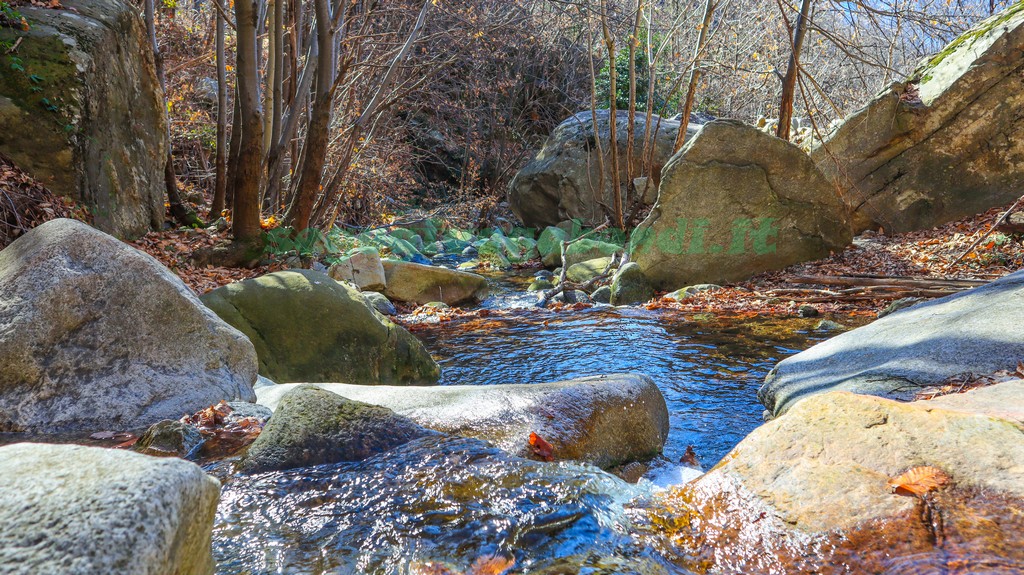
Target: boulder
630, 285
420, 284
312, 426
95, 334
571, 296
941, 145
588, 249
560, 182
603, 420
94, 511
549, 245
380, 302
170, 438
602, 294
588, 270
735, 202
361, 268
975, 331
540, 285
690, 291
308, 327
810, 491
83, 111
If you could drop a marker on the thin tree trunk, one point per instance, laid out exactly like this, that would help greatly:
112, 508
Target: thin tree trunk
221, 184
613, 137
694, 79
789, 81
245, 223
631, 120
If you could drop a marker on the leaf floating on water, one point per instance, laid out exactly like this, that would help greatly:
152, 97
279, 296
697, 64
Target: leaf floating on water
493, 565
541, 448
690, 458
919, 481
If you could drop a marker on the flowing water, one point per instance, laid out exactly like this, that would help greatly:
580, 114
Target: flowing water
456, 500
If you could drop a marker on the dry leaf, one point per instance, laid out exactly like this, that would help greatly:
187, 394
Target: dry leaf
493, 565
918, 481
541, 448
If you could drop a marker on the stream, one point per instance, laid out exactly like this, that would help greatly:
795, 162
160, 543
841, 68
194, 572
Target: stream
436, 506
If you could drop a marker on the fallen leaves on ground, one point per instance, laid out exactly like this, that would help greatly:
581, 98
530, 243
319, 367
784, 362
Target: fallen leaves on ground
965, 382
223, 437
25, 203
919, 481
541, 448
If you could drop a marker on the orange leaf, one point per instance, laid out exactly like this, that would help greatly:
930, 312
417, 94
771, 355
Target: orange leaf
918, 481
494, 565
541, 448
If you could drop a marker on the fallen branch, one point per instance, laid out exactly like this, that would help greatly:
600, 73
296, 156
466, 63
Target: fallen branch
895, 281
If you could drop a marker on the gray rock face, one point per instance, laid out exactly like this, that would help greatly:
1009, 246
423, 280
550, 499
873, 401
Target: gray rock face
975, 331
630, 285
312, 426
420, 284
86, 116
95, 334
943, 145
604, 420
380, 302
308, 327
734, 202
560, 182
362, 269
92, 511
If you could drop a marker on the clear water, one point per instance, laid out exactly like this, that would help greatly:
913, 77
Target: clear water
455, 500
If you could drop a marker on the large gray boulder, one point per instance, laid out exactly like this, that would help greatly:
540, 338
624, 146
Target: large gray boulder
976, 331
95, 334
604, 420
312, 426
420, 284
560, 182
944, 144
308, 327
735, 202
84, 114
810, 490
92, 511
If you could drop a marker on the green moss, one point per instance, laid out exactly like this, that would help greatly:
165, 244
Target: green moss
40, 78
967, 39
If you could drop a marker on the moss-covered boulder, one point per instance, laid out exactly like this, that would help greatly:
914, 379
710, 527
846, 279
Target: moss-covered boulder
312, 426
588, 270
588, 249
630, 285
308, 327
82, 111
422, 284
549, 245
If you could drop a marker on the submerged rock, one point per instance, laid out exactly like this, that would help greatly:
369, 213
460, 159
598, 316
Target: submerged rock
943, 144
975, 331
735, 202
812, 492
571, 296
630, 285
312, 426
603, 420
169, 438
308, 327
422, 284
560, 182
95, 334
93, 511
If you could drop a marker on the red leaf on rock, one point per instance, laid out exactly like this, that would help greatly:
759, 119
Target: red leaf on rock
541, 448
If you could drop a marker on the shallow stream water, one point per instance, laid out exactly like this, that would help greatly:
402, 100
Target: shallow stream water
455, 500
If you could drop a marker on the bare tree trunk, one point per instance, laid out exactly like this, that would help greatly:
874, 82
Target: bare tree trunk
221, 184
631, 121
598, 146
613, 136
789, 81
245, 213
181, 213
694, 79
314, 152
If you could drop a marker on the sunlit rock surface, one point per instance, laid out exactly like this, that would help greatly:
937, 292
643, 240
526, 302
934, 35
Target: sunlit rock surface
93, 511
603, 420
96, 335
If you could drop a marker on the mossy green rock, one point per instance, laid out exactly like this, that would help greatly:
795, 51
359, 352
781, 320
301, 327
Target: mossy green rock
602, 294
308, 327
85, 114
630, 285
549, 245
588, 249
540, 285
493, 252
420, 284
312, 426
588, 270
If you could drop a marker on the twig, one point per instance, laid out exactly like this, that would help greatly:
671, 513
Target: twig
985, 235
